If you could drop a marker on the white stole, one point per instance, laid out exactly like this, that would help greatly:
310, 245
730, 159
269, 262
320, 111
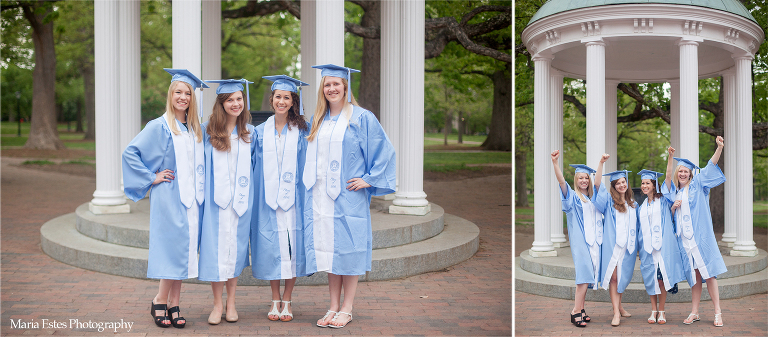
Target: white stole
684, 215
279, 183
222, 192
650, 224
189, 179
625, 231
333, 186
593, 224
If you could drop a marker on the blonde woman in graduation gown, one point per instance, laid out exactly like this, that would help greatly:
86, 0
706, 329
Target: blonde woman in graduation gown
277, 233
229, 147
166, 159
702, 260
349, 159
585, 233
619, 250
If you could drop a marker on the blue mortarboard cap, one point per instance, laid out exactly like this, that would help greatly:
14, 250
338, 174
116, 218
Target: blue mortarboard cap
583, 169
287, 83
618, 174
338, 71
230, 86
185, 76
687, 163
653, 175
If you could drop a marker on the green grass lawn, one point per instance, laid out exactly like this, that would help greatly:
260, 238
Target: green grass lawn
72, 140
452, 161
453, 138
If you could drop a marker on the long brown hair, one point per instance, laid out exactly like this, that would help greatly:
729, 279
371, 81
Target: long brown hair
293, 115
628, 196
655, 195
217, 125
193, 124
322, 107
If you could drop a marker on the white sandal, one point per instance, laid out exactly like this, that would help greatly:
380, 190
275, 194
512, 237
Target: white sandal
652, 319
286, 313
274, 311
337, 316
662, 319
693, 317
326, 316
719, 318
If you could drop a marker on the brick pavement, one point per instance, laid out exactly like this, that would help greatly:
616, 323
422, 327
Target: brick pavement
471, 298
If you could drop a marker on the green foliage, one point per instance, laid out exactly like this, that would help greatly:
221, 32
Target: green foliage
37, 162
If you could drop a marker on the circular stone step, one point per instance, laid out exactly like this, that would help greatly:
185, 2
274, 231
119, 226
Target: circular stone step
132, 229
561, 266
458, 241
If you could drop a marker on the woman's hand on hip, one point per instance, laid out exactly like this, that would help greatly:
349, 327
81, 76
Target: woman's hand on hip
356, 184
163, 176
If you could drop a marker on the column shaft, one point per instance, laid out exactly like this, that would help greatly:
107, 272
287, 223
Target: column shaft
211, 53
674, 125
689, 101
187, 35
130, 71
729, 234
542, 246
390, 76
410, 197
611, 128
556, 143
744, 245
596, 102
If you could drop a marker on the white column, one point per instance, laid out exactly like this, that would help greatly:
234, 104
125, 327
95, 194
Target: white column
307, 57
187, 35
108, 198
556, 143
596, 101
689, 101
611, 128
744, 245
674, 107
322, 42
410, 197
731, 214
389, 112
542, 163
211, 53
130, 71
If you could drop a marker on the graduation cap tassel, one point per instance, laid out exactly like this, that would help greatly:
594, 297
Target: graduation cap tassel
349, 86
200, 108
301, 106
245, 82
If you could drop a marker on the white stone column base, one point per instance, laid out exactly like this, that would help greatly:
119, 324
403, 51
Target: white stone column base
744, 253
410, 210
390, 196
561, 244
725, 244
109, 209
551, 253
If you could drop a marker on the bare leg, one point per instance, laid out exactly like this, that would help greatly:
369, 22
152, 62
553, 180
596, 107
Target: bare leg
714, 293
275, 285
173, 298
289, 283
218, 305
615, 300
350, 287
231, 290
662, 296
696, 294
652, 319
334, 287
162, 297
581, 294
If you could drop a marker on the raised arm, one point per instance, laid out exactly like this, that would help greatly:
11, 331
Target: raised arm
599, 174
716, 156
559, 174
670, 166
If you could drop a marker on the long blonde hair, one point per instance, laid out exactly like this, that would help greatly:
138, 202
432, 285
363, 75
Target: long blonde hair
674, 176
322, 107
616, 196
193, 123
590, 188
217, 124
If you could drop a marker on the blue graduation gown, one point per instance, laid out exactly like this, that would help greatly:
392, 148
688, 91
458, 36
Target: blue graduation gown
367, 153
265, 238
670, 250
209, 243
579, 247
709, 177
604, 203
170, 241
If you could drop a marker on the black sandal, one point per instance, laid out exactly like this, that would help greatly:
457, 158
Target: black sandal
159, 319
580, 323
174, 321
585, 317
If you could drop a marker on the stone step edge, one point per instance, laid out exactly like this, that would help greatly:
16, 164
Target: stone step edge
745, 266
124, 231
731, 288
60, 240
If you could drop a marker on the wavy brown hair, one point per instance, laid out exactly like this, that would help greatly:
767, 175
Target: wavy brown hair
293, 113
322, 107
628, 196
217, 125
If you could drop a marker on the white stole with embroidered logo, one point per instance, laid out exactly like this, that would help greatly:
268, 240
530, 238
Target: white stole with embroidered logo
333, 185
222, 192
190, 174
684, 215
650, 224
625, 229
593, 225
279, 180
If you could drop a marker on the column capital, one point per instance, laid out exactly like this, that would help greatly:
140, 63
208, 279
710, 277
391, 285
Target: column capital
743, 56
594, 41
614, 83
690, 40
728, 72
542, 58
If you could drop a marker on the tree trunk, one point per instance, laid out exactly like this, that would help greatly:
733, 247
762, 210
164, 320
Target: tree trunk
461, 127
79, 127
521, 188
42, 132
369, 92
448, 127
90, 100
717, 194
500, 136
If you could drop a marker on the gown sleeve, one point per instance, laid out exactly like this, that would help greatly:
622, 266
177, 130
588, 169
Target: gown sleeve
709, 177
567, 198
379, 155
669, 193
143, 157
602, 199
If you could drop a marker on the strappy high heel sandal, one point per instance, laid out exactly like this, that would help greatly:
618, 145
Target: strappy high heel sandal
286, 313
719, 319
326, 316
652, 319
274, 311
175, 321
159, 319
585, 317
661, 319
580, 323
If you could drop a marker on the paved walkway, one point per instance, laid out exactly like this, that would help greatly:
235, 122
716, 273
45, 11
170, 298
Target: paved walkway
471, 298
